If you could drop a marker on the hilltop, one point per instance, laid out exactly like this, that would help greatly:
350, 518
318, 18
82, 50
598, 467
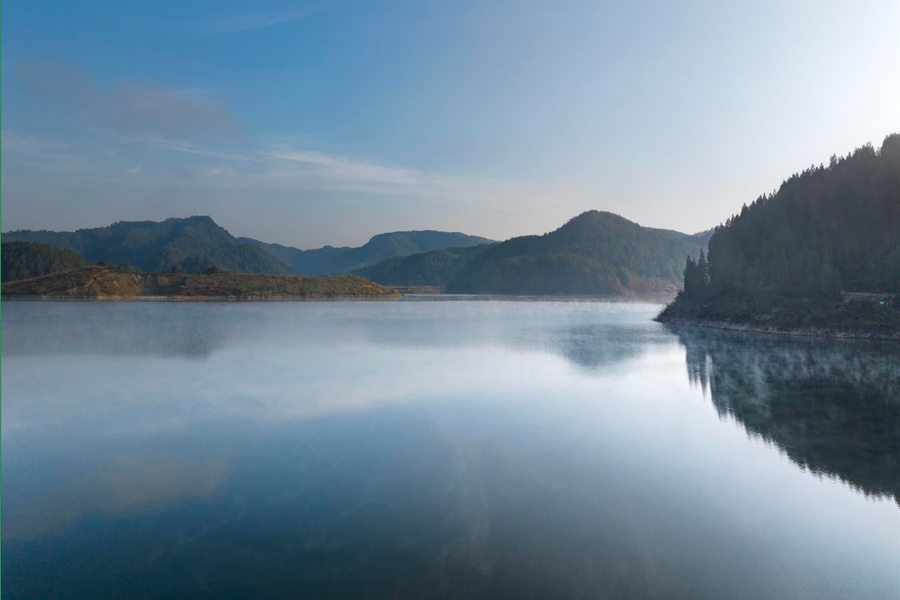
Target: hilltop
102, 283
821, 255
595, 253
189, 245
329, 260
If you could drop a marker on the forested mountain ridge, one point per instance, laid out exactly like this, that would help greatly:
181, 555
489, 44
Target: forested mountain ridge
435, 268
827, 230
24, 260
188, 245
595, 253
329, 260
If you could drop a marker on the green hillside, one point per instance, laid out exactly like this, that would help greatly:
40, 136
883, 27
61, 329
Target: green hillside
189, 245
329, 260
101, 283
787, 257
595, 253
435, 268
24, 260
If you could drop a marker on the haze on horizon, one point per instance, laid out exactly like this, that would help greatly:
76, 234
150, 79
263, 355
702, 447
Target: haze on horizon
310, 124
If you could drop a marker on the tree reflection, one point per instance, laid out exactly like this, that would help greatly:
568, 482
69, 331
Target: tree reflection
833, 406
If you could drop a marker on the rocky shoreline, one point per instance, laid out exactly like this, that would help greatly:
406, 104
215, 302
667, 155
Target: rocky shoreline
775, 330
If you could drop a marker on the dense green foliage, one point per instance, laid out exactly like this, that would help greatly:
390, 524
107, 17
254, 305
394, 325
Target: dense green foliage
789, 255
435, 268
189, 245
328, 260
105, 283
833, 408
827, 229
23, 260
596, 253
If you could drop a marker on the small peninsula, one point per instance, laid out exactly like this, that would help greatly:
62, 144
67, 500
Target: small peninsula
102, 283
821, 256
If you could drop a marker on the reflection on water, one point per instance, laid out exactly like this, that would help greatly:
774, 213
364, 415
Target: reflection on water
55, 328
833, 406
122, 485
439, 450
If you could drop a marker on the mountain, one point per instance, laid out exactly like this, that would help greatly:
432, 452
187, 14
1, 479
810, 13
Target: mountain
785, 260
329, 260
24, 260
595, 253
435, 268
702, 238
191, 245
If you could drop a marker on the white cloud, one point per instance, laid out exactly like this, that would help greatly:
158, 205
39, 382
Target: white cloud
240, 23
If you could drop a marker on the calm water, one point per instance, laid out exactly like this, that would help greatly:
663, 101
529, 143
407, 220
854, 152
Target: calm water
440, 449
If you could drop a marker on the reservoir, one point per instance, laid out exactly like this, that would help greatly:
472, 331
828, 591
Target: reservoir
440, 449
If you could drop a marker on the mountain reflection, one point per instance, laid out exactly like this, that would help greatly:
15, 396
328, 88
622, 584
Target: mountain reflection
832, 406
124, 329
588, 335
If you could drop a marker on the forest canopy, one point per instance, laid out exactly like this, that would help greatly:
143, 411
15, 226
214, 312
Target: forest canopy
827, 229
830, 229
24, 260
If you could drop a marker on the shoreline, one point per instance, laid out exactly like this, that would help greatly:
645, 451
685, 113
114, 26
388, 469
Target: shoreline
198, 298
427, 297
772, 330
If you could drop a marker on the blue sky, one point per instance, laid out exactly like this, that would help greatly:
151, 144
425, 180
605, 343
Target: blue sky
326, 123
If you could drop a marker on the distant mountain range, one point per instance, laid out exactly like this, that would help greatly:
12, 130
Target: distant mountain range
595, 253
435, 268
188, 245
196, 244
330, 260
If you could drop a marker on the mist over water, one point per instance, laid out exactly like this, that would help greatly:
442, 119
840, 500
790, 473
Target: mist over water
440, 449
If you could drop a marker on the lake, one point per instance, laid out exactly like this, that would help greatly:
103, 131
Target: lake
440, 449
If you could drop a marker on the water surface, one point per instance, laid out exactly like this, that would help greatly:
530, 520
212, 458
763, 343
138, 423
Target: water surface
440, 450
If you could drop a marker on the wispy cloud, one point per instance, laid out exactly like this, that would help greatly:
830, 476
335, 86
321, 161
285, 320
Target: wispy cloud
128, 107
41, 152
239, 23
29, 145
280, 166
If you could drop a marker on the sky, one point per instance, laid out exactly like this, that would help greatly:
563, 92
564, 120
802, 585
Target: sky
328, 122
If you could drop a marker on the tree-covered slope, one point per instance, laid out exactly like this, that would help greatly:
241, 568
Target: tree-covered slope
595, 253
191, 245
435, 268
112, 284
826, 229
787, 257
24, 260
330, 260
